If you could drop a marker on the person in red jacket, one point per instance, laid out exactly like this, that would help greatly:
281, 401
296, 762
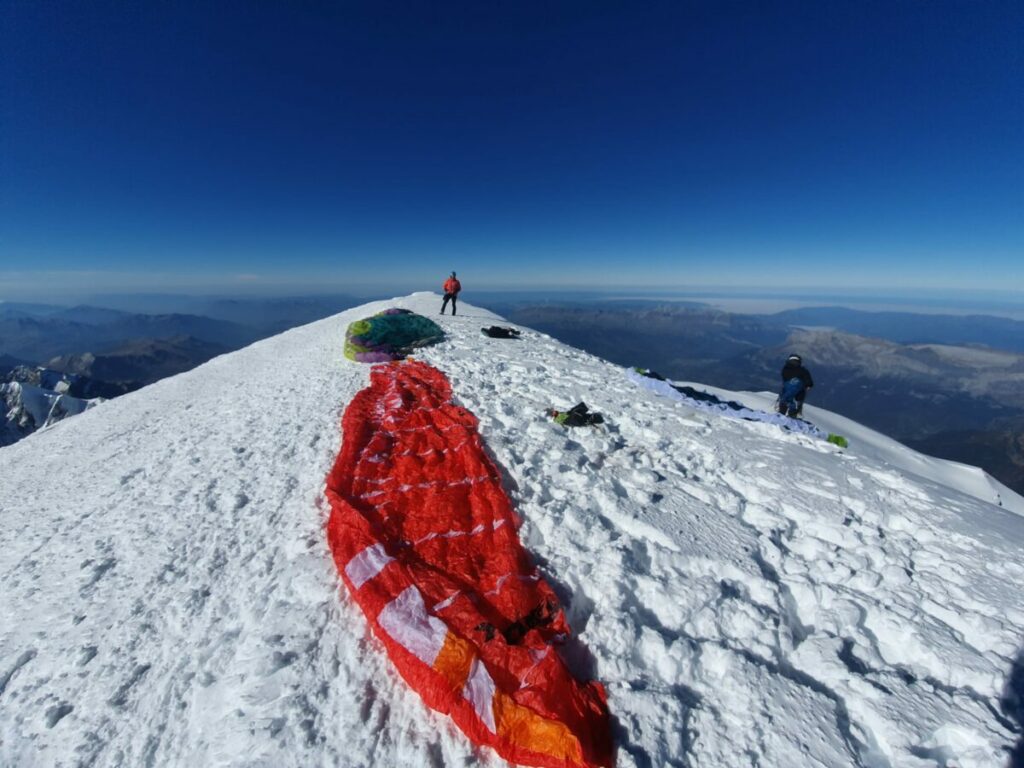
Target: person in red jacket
451, 292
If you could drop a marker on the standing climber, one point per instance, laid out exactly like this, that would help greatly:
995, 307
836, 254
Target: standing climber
796, 380
451, 292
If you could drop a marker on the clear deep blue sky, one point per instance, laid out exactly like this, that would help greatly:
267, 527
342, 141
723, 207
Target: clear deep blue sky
220, 146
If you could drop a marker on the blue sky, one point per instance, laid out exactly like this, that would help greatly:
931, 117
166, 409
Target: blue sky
289, 147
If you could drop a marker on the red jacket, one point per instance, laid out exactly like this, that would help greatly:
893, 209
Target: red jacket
451, 285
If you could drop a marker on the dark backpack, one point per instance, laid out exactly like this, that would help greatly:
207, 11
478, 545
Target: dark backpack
499, 332
577, 416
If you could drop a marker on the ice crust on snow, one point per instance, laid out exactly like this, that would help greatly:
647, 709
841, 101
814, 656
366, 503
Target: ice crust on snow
749, 596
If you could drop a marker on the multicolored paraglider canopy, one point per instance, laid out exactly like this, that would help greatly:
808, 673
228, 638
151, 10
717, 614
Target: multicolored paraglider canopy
390, 335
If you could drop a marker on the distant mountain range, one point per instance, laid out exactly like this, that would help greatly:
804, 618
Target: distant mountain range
38, 332
911, 328
77, 330
140, 362
678, 338
267, 316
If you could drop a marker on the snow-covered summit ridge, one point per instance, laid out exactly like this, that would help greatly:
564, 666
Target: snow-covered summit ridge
748, 596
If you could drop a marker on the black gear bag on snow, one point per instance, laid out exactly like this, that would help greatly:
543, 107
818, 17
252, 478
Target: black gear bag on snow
499, 332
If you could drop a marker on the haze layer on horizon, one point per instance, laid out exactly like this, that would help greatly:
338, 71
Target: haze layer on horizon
740, 300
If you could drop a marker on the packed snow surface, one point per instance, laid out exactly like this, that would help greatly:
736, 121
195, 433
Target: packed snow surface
749, 596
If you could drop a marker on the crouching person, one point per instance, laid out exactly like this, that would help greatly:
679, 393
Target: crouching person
796, 381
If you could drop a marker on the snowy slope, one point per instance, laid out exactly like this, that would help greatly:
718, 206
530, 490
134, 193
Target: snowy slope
869, 444
749, 597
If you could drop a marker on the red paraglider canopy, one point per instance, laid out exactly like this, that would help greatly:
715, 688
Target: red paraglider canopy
425, 539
